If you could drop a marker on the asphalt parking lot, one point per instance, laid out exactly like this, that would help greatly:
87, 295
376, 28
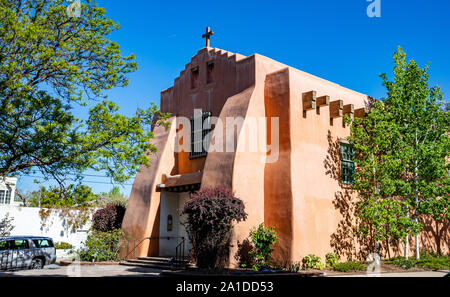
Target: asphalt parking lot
56, 270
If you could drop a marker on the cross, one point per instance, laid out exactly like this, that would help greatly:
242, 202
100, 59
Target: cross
208, 35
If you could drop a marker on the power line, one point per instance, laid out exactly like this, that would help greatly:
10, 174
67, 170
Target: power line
84, 181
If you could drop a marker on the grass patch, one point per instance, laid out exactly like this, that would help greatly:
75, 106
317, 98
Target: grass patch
350, 266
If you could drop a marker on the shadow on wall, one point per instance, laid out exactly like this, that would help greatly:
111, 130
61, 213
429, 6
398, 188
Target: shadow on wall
345, 241
435, 236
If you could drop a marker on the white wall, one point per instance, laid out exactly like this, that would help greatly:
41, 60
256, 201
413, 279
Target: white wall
171, 204
28, 222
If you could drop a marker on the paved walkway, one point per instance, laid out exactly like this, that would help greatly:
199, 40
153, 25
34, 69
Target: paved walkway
401, 274
85, 271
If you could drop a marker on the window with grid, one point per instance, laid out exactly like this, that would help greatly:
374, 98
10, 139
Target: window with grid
200, 128
8, 197
2, 196
347, 163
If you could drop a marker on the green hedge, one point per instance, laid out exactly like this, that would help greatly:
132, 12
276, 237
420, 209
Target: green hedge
350, 266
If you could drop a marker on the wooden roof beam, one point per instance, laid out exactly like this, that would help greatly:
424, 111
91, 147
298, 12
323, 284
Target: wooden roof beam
361, 112
323, 101
349, 109
309, 100
336, 109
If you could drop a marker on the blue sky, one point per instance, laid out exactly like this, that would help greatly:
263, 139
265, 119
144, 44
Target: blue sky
332, 39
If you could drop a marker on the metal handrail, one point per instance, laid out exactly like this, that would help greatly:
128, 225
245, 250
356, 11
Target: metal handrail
140, 241
179, 253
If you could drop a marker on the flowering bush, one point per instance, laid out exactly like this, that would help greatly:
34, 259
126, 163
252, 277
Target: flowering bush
108, 218
210, 215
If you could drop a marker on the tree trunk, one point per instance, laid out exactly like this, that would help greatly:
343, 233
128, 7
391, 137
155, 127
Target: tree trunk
407, 237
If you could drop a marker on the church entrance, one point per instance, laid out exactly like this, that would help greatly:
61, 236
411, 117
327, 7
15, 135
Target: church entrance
172, 231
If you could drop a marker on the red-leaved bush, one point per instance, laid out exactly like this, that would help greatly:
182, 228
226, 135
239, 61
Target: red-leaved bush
108, 218
210, 214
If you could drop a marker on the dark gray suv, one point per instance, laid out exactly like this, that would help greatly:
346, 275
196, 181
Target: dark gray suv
26, 252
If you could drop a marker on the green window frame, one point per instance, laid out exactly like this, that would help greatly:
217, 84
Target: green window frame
347, 163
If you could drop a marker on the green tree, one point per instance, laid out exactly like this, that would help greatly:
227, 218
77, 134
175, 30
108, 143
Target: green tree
377, 179
70, 196
400, 151
423, 144
114, 196
51, 62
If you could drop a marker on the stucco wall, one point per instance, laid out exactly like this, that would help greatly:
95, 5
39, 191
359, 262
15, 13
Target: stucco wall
300, 194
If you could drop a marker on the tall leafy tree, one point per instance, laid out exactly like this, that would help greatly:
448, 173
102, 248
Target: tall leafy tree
50, 62
72, 195
423, 143
400, 150
377, 178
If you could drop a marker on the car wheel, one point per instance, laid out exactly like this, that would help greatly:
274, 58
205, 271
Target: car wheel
37, 263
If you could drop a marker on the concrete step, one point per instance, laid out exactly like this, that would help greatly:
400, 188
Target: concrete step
154, 266
156, 262
159, 259
139, 261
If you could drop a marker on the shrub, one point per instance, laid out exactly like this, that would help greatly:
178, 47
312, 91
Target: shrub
427, 260
263, 240
210, 214
108, 218
244, 255
6, 225
402, 262
350, 266
312, 262
63, 246
293, 267
102, 246
433, 261
331, 259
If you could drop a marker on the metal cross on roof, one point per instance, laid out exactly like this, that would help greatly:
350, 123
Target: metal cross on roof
208, 35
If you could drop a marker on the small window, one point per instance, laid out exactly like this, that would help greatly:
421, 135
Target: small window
200, 129
194, 77
347, 163
169, 223
43, 243
209, 72
21, 244
2, 197
8, 197
4, 245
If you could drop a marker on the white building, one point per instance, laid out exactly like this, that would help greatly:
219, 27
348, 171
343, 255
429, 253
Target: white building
27, 221
7, 191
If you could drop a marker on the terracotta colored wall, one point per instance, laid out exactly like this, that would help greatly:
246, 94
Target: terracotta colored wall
142, 214
278, 196
232, 74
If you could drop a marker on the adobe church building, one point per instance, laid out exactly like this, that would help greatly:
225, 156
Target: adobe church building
300, 192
